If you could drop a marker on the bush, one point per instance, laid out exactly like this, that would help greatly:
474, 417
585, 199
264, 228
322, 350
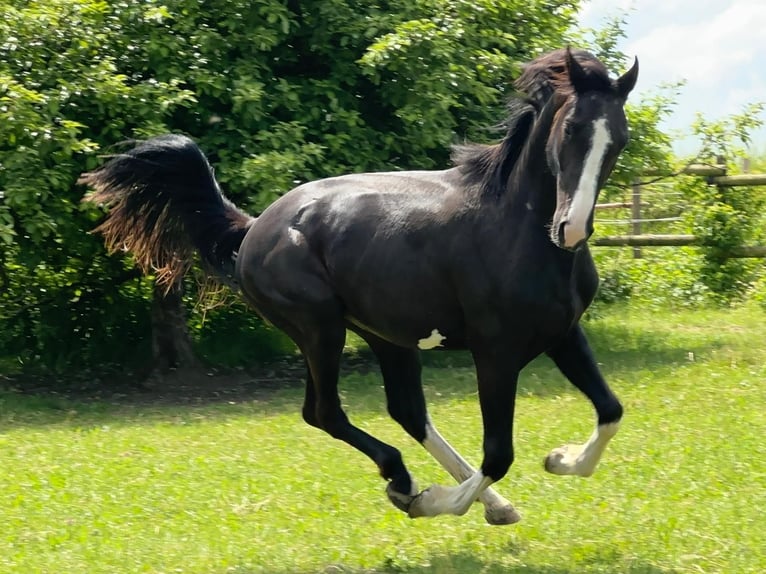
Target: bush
275, 93
232, 335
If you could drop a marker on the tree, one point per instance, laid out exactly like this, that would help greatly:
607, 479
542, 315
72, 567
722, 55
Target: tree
275, 92
63, 96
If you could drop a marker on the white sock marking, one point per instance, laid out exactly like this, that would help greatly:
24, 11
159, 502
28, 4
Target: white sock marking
450, 499
582, 459
446, 456
459, 468
433, 340
576, 228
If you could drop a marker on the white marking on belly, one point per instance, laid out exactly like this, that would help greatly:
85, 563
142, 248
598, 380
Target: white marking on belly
576, 228
433, 340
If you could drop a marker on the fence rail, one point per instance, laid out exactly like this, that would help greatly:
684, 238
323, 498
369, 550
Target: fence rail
647, 240
716, 175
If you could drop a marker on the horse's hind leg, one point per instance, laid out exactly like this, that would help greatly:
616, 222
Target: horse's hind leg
575, 360
281, 278
322, 347
406, 404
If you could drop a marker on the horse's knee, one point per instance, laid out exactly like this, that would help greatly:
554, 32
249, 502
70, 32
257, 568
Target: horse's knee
497, 460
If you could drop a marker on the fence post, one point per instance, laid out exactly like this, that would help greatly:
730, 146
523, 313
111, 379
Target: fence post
635, 215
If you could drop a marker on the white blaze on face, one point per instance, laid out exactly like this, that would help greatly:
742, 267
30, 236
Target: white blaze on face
576, 228
433, 340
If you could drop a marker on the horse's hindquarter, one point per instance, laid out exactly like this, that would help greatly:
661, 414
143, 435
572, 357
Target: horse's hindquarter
380, 242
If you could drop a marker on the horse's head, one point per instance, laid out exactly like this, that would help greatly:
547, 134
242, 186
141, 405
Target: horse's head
587, 135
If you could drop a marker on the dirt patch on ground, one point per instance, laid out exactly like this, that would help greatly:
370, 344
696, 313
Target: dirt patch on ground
181, 386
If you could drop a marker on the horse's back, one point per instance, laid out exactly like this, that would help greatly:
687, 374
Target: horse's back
354, 234
395, 193
364, 207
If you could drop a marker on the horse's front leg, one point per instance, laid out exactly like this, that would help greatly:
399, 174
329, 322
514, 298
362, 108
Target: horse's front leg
497, 380
574, 359
497, 510
401, 371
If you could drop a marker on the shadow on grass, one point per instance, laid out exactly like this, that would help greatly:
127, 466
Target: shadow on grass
278, 387
620, 352
464, 563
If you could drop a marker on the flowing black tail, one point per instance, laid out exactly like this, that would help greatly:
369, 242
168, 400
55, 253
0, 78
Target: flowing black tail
164, 203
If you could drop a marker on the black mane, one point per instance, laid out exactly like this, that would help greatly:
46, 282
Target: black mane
489, 166
548, 74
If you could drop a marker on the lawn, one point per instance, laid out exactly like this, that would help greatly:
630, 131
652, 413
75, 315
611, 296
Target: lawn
245, 487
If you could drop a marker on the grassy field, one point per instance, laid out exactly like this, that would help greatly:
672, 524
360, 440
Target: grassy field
245, 487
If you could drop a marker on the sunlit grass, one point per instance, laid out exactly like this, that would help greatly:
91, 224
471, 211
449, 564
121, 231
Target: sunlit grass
248, 487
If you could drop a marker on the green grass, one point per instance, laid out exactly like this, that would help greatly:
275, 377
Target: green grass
248, 488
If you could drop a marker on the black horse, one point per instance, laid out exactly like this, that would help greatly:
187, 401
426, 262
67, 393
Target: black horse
488, 256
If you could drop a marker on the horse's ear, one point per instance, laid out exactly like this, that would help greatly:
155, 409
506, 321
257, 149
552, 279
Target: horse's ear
627, 81
577, 76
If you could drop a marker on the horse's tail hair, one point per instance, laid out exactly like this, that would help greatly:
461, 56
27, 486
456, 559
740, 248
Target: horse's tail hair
164, 203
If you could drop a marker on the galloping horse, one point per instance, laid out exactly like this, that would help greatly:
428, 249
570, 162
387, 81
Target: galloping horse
488, 256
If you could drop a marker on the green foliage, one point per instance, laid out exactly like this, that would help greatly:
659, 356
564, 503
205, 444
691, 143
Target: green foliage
722, 228
446, 68
727, 217
661, 277
728, 137
276, 93
759, 289
229, 336
66, 91
616, 282
72, 317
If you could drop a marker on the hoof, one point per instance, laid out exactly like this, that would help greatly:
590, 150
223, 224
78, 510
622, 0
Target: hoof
502, 515
553, 462
402, 501
564, 462
417, 507
424, 504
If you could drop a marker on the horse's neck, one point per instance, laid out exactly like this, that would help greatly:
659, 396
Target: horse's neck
533, 185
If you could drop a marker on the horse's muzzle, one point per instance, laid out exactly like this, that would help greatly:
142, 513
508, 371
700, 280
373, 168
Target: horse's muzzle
567, 238
572, 238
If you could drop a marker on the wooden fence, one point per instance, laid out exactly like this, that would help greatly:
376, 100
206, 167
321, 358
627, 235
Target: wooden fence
638, 238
